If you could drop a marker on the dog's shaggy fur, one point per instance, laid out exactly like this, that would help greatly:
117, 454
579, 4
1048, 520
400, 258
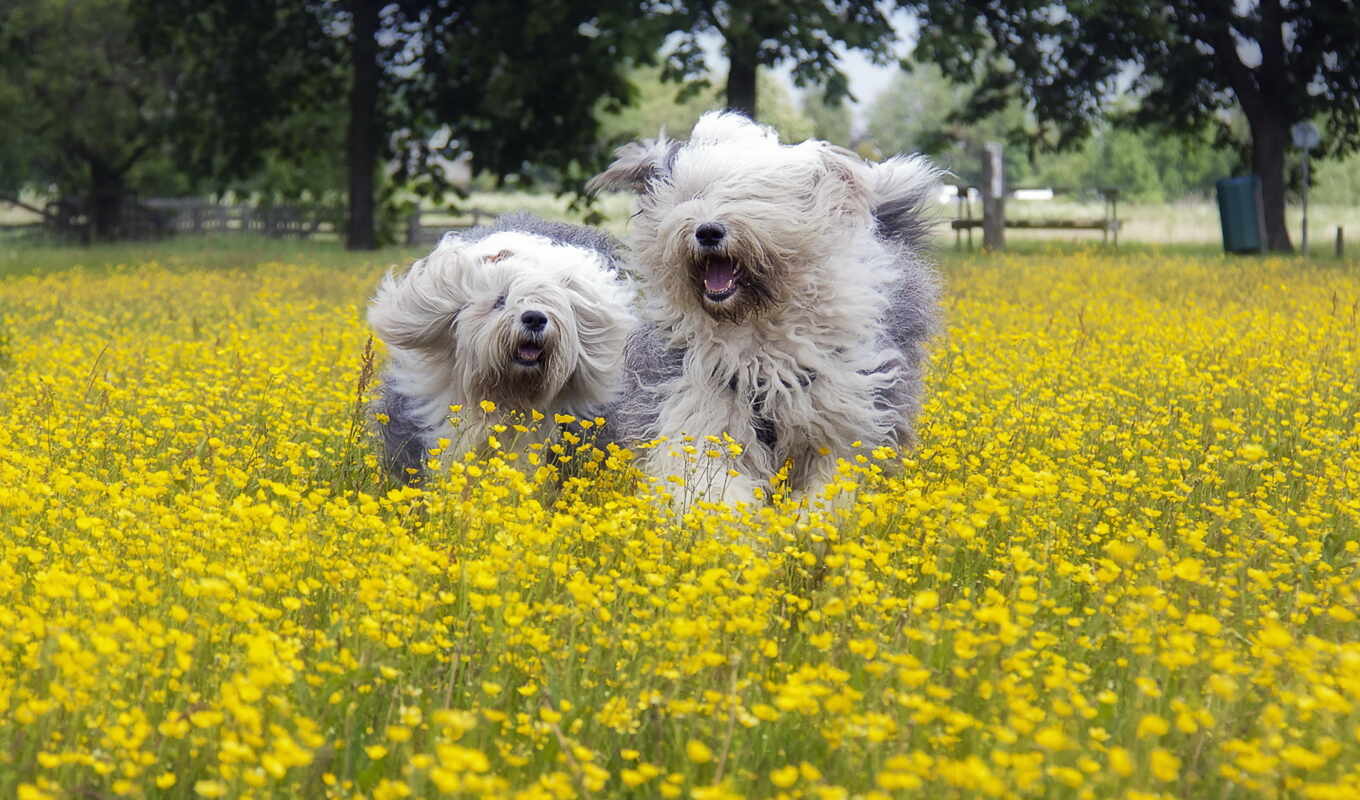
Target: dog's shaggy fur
787, 302
528, 314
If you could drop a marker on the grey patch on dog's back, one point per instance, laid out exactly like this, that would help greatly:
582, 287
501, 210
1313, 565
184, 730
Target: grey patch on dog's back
913, 309
910, 320
563, 233
649, 368
403, 437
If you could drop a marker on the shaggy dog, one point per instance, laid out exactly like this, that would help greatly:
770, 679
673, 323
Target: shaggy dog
787, 304
528, 314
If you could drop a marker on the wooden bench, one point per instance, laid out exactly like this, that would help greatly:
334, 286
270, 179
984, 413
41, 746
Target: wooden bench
419, 233
1108, 225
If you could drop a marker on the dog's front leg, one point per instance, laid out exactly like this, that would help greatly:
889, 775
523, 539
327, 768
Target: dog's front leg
732, 489
820, 489
691, 476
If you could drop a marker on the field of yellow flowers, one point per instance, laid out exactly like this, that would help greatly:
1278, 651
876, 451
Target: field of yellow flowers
1121, 563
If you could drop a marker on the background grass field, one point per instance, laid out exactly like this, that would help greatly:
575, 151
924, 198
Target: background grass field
1122, 561
1192, 224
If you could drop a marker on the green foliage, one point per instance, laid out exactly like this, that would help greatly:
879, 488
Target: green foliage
1336, 181
920, 111
510, 87
509, 83
913, 113
257, 84
1145, 166
657, 105
1121, 159
665, 106
831, 121
85, 112
1178, 57
781, 111
807, 35
1187, 62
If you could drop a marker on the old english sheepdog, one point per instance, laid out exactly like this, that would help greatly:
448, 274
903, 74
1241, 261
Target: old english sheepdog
528, 314
787, 304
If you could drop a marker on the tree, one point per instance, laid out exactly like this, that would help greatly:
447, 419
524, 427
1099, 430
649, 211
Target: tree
1187, 61
84, 110
365, 128
766, 33
510, 83
658, 108
918, 113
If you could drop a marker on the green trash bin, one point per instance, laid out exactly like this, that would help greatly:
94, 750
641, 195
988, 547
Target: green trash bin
1242, 214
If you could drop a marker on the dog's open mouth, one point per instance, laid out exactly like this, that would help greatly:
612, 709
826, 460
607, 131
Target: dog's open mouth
528, 354
720, 278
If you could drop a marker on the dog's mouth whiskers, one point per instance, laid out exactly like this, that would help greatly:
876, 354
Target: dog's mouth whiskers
720, 277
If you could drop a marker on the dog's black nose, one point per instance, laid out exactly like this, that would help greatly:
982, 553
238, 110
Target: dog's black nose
710, 234
534, 320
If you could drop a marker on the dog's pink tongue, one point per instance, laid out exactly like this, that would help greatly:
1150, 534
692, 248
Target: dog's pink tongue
719, 275
529, 352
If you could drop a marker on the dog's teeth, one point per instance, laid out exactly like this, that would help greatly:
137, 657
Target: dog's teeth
528, 352
720, 275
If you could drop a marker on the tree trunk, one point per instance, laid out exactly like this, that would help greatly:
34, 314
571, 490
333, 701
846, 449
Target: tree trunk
106, 202
363, 135
1268, 140
741, 78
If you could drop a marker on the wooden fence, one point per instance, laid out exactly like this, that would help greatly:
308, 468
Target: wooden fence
158, 218
275, 221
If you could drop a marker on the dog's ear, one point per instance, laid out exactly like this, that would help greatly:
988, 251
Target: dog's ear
902, 190
636, 165
848, 177
603, 321
417, 310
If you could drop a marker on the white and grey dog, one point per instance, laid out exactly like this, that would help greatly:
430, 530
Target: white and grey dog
787, 303
529, 314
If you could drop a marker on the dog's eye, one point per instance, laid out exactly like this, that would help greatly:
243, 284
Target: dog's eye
500, 303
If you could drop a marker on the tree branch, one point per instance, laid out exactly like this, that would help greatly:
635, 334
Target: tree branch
134, 156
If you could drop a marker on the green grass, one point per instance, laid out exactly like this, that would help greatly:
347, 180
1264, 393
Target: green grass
1173, 230
205, 252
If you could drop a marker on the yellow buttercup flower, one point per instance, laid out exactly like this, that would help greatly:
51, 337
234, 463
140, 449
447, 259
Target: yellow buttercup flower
1121, 560
698, 752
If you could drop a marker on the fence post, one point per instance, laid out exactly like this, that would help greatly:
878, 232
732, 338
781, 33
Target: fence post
413, 228
993, 197
1340, 241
